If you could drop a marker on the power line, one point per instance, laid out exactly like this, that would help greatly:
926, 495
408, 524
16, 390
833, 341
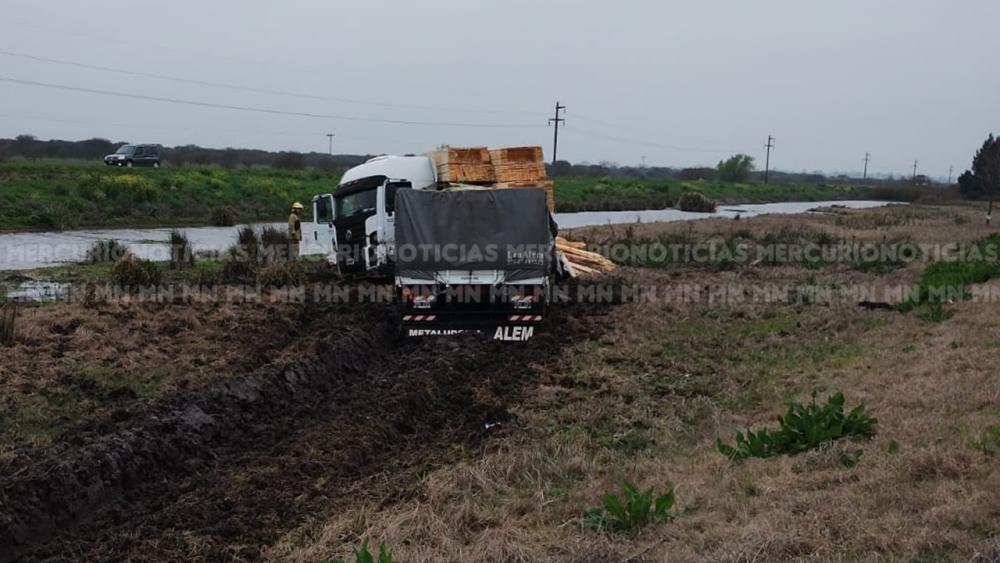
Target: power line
555, 137
619, 126
652, 143
261, 110
214, 84
147, 127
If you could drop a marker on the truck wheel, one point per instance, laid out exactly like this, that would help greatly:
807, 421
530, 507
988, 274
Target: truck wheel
156, 165
128, 164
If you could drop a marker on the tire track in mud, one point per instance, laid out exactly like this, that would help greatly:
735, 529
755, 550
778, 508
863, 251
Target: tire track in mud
359, 425
70, 480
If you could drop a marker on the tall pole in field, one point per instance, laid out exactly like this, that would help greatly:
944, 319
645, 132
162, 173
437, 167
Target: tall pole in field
915, 162
555, 137
868, 158
951, 171
330, 136
767, 162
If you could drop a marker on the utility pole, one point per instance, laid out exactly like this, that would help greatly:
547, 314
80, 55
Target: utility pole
643, 161
915, 162
868, 158
330, 136
767, 162
555, 138
951, 170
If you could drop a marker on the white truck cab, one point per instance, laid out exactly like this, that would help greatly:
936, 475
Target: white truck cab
355, 223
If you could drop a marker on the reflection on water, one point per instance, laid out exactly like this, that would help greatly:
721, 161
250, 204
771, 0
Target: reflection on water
23, 251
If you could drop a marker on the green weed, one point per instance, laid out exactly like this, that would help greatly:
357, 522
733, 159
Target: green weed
631, 512
988, 441
944, 282
363, 555
803, 428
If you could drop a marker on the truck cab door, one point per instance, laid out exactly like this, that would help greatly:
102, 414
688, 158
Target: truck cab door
387, 215
324, 235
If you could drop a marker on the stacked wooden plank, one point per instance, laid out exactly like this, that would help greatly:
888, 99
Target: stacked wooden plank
464, 165
547, 185
522, 167
581, 262
518, 164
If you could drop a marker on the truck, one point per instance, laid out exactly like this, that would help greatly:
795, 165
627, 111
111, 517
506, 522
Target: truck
472, 259
354, 224
475, 259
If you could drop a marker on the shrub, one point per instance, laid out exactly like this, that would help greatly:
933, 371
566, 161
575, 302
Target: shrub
238, 271
135, 272
362, 555
274, 244
247, 245
803, 428
948, 281
181, 251
695, 201
736, 168
631, 513
223, 217
281, 274
8, 316
105, 251
207, 274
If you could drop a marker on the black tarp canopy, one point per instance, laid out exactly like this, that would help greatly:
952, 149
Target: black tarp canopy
474, 229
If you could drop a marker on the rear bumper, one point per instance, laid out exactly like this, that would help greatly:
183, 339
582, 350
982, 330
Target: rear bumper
497, 322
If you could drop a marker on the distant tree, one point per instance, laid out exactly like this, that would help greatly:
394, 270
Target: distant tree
969, 186
289, 161
736, 168
691, 174
985, 173
560, 168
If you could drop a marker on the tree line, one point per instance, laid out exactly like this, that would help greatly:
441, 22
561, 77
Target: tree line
28, 146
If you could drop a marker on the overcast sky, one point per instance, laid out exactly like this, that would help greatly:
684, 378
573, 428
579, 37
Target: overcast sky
679, 82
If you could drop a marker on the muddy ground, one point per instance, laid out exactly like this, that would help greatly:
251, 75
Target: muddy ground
218, 463
461, 449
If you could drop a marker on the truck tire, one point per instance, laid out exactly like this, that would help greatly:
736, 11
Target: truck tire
128, 164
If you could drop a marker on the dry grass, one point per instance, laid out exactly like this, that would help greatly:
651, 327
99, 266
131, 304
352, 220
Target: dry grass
71, 363
647, 401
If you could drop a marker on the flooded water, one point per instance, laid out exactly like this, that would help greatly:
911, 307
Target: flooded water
24, 251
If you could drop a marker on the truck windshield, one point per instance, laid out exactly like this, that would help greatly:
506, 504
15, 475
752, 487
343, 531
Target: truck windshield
125, 149
358, 202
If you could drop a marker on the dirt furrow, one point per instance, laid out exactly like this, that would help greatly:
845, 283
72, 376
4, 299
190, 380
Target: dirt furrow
216, 483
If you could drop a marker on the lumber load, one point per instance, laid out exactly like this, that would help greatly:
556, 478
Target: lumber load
518, 164
547, 185
470, 165
580, 261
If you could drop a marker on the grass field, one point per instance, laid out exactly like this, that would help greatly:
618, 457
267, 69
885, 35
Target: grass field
68, 194
499, 453
574, 194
